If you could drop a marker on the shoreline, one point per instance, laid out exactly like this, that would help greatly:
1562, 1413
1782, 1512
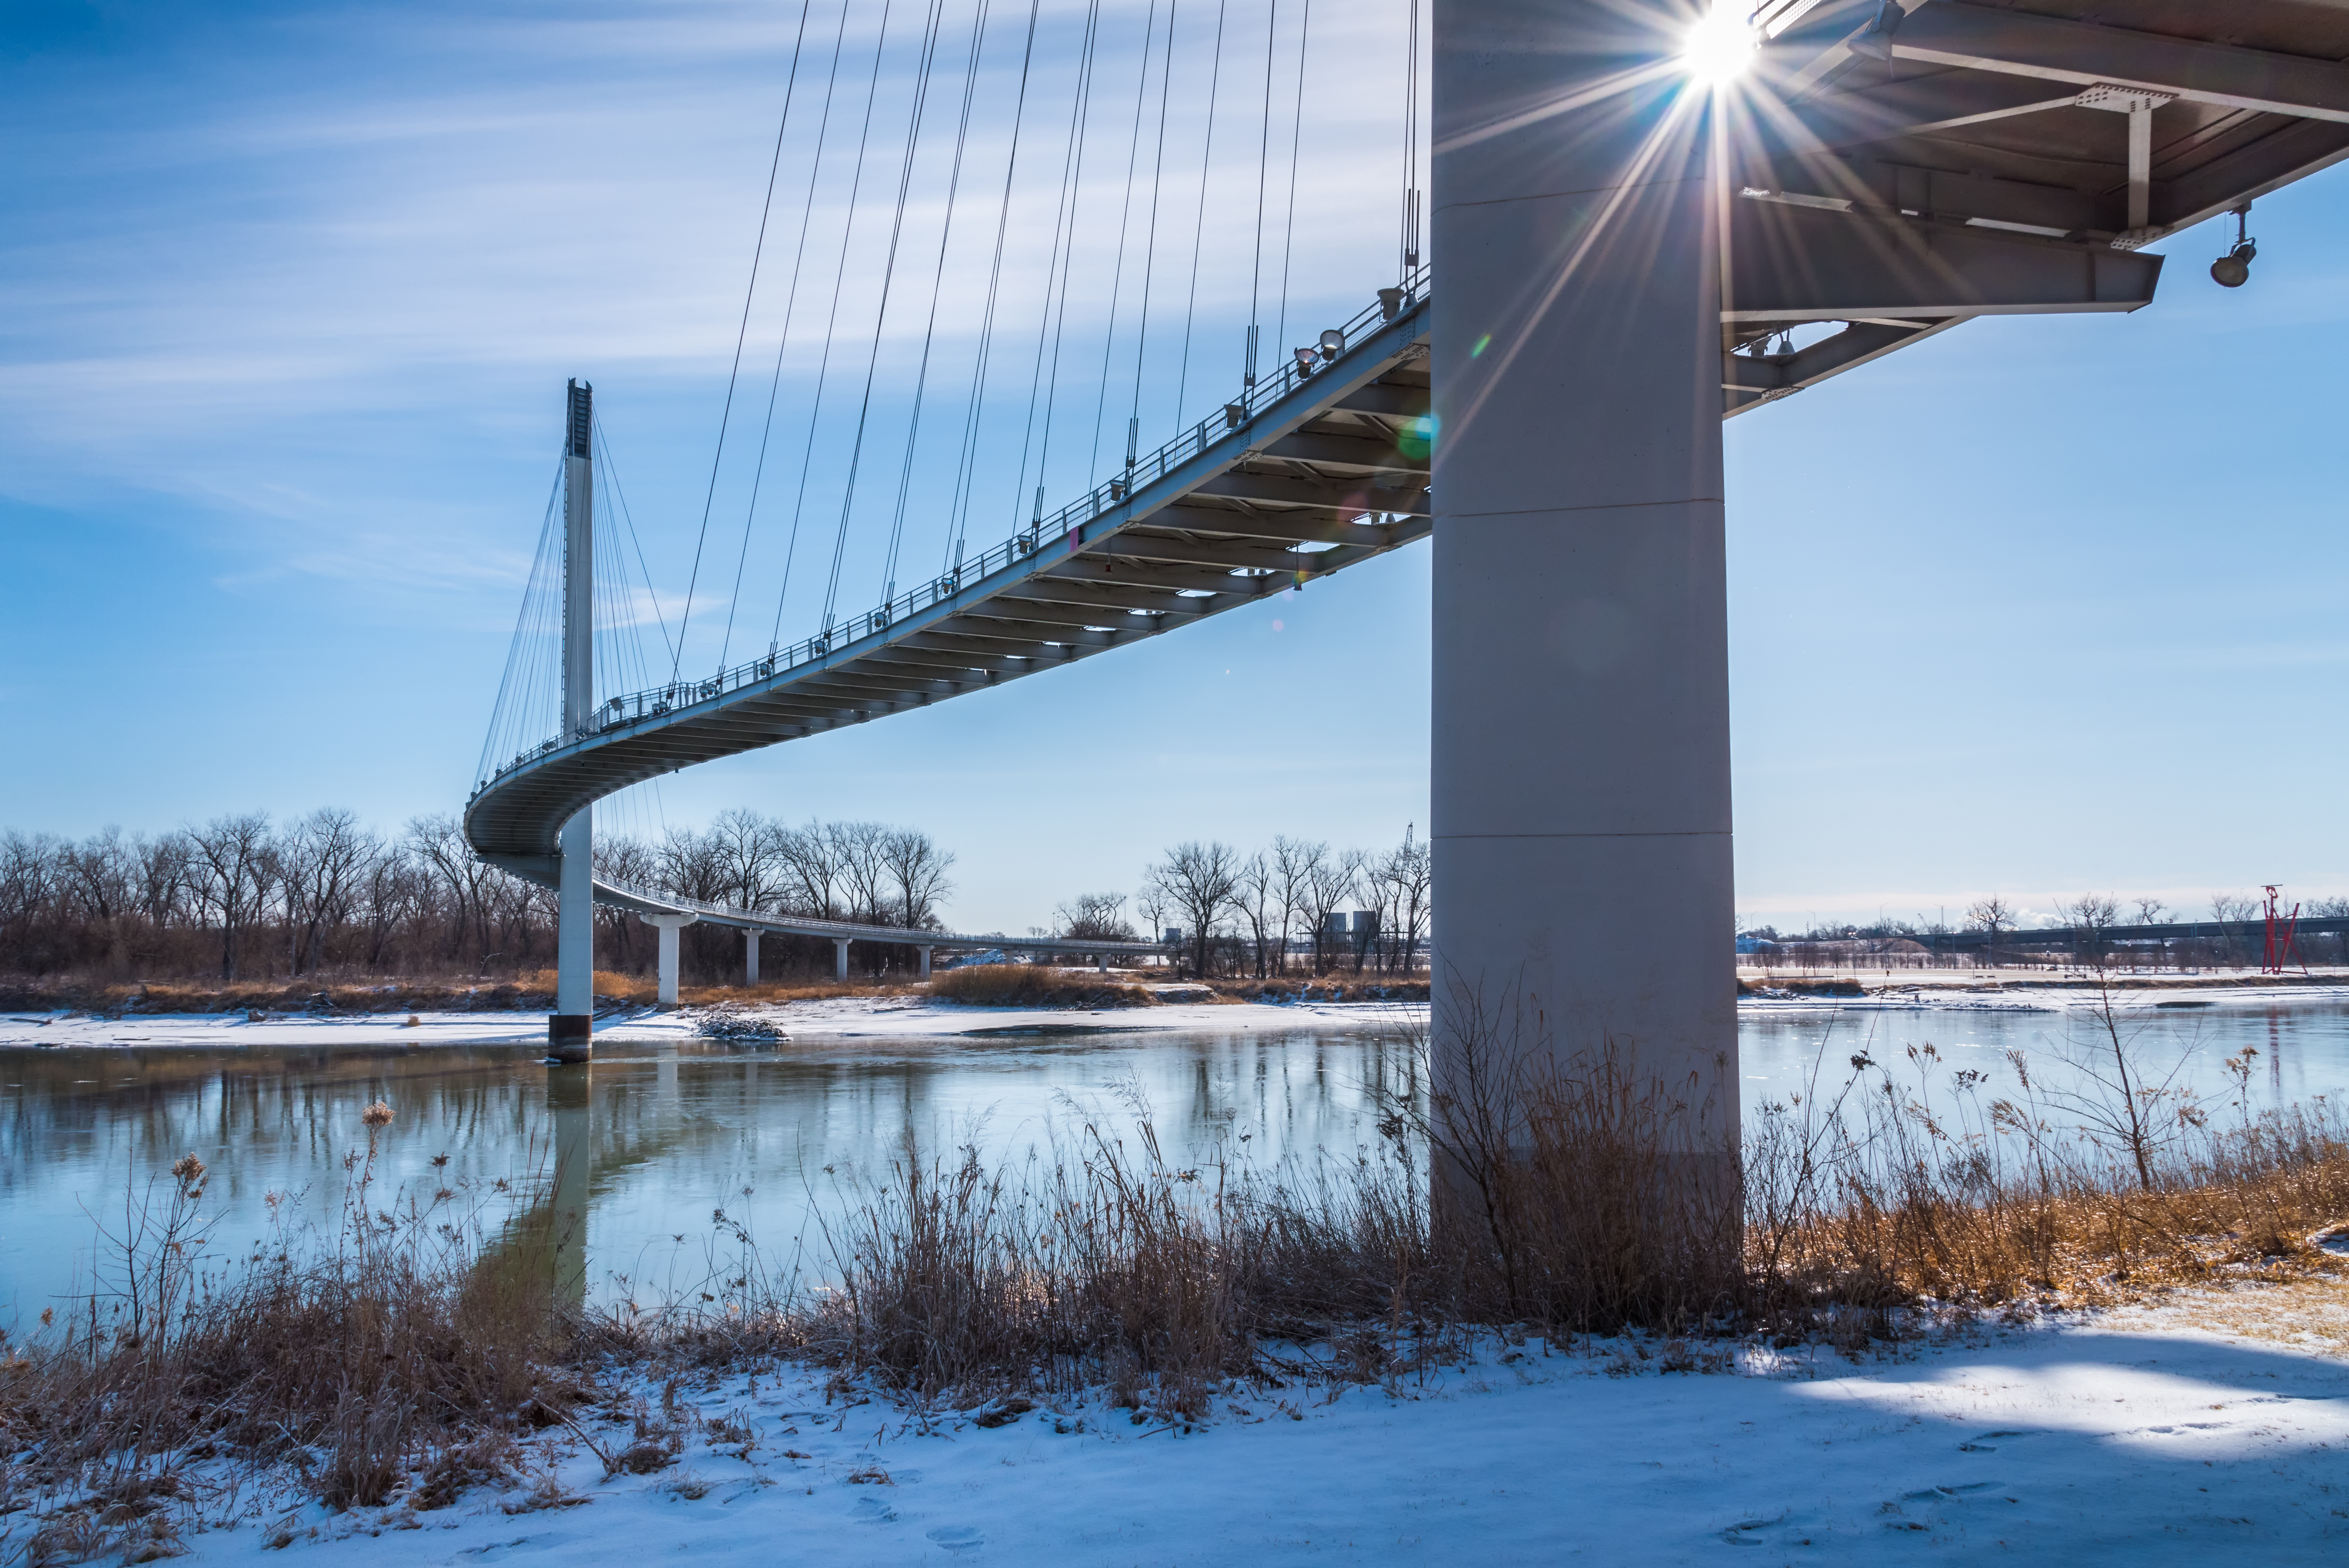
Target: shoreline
905, 1019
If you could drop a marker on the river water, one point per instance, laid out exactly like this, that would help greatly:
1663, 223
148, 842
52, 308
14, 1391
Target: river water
659, 1140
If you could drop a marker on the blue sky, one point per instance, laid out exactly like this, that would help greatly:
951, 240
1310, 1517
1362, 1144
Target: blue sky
288, 293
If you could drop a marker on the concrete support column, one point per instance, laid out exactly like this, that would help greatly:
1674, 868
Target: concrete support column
750, 956
669, 926
926, 961
840, 957
569, 1029
1580, 722
1101, 962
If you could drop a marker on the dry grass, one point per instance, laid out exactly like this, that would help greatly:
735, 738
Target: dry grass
644, 990
1889, 1194
1341, 985
1036, 986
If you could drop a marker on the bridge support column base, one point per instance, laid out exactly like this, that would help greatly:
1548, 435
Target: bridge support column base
669, 925
926, 961
570, 1038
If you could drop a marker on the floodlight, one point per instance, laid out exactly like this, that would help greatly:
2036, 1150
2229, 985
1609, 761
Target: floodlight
2233, 270
1333, 343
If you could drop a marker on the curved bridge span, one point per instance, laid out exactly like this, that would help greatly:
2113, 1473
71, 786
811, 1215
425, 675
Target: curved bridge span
1310, 471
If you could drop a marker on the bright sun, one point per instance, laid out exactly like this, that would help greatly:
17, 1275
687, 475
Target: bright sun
1721, 46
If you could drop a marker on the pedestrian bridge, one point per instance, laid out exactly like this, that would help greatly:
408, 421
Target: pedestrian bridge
1309, 471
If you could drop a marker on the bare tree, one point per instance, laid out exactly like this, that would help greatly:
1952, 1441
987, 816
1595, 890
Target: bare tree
1292, 860
231, 862
1407, 875
1099, 916
1152, 905
1990, 916
321, 860
2229, 910
692, 865
1328, 885
1198, 881
628, 862
2149, 910
438, 844
747, 851
811, 858
917, 876
2092, 915
392, 891
1256, 893
864, 870
104, 872
162, 872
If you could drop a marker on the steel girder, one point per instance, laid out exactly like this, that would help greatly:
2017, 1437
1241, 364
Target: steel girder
1904, 167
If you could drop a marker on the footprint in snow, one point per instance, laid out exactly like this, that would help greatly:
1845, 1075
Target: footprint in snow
873, 1511
957, 1538
1987, 1443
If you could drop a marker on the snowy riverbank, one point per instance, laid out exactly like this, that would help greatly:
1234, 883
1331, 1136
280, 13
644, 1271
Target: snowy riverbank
850, 1018
903, 1018
2210, 1429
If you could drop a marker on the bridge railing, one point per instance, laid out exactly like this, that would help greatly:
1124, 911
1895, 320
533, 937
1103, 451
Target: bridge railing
902, 935
1102, 499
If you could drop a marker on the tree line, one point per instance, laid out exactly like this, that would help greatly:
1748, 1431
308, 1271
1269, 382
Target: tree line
1243, 913
2090, 917
242, 897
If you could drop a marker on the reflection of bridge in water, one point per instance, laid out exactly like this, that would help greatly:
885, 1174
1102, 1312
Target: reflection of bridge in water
1646, 227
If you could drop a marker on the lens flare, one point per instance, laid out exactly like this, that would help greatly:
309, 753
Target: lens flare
1721, 46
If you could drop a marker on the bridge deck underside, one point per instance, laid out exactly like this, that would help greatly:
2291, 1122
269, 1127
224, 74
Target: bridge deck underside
1326, 477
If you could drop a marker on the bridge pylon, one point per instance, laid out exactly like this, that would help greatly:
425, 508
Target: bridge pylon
1580, 779
570, 1030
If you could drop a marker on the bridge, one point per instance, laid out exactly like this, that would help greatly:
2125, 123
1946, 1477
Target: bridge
1653, 217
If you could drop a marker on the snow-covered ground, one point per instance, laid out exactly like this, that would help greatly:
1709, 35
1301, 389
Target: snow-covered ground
2214, 1429
911, 1018
902, 1018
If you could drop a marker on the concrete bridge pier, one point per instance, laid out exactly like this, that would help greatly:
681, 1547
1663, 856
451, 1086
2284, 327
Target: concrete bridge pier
750, 956
840, 957
926, 961
570, 1028
669, 925
1581, 718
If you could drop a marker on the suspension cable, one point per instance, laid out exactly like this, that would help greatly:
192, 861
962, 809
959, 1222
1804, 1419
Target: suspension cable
1070, 160
1150, 259
1410, 143
839, 275
815, 173
937, 287
1199, 224
1263, 157
1296, 134
742, 555
741, 331
967, 462
881, 316
1124, 221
